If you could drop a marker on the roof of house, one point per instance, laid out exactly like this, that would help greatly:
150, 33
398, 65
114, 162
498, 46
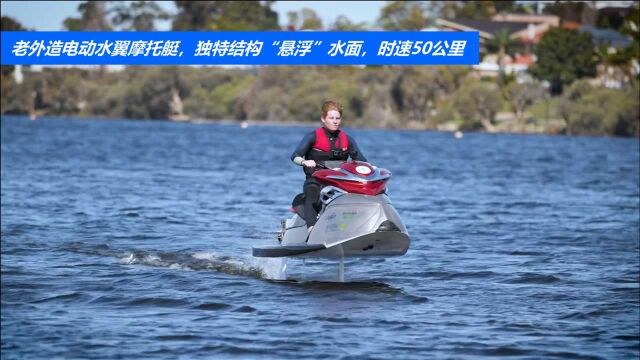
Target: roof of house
487, 28
606, 36
571, 25
552, 20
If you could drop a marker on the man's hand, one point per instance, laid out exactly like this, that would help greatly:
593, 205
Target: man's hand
309, 163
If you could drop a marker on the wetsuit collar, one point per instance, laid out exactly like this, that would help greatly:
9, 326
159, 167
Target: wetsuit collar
331, 133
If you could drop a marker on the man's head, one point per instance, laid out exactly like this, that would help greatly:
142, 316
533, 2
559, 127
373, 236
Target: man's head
331, 115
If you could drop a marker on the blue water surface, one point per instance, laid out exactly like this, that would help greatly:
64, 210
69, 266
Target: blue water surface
132, 239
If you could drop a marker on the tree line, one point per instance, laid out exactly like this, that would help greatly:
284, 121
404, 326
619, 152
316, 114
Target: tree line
561, 98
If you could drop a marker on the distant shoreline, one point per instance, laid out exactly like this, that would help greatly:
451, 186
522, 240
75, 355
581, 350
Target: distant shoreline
271, 123
192, 121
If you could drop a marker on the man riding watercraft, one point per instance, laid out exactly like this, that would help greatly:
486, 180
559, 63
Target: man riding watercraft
327, 143
345, 210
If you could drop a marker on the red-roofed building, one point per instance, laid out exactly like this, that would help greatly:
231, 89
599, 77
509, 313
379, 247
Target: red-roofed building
526, 29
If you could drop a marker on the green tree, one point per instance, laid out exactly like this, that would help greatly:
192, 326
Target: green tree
9, 24
67, 96
631, 24
16, 98
471, 9
310, 20
221, 101
573, 11
195, 15
305, 19
478, 103
138, 15
246, 15
93, 17
376, 100
627, 123
225, 15
521, 96
343, 23
51, 91
590, 110
564, 56
612, 20
403, 15
418, 90
631, 28
502, 44
272, 92
157, 93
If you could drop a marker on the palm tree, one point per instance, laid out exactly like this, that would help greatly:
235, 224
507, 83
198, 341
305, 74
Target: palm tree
504, 45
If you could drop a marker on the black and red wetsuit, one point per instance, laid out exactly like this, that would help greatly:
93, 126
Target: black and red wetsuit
322, 145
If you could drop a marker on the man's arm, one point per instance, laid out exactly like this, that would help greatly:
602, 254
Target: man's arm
354, 151
303, 147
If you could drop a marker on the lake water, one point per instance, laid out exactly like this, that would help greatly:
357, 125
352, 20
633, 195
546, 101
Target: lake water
132, 239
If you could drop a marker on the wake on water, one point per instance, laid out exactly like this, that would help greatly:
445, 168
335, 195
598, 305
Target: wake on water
272, 269
262, 268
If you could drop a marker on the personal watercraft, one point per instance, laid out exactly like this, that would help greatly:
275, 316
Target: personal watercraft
356, 217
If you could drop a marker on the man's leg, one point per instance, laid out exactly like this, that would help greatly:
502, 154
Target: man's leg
311, 196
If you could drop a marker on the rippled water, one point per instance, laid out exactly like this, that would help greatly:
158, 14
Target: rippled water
125, 239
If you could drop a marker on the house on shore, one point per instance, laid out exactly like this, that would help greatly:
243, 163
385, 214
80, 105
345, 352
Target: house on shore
522, 28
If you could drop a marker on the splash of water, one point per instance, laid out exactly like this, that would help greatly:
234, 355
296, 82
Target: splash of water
272, 268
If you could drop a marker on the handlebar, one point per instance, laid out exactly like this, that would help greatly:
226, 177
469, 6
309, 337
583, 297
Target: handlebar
329, 164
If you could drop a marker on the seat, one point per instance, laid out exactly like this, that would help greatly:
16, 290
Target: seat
297, 205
